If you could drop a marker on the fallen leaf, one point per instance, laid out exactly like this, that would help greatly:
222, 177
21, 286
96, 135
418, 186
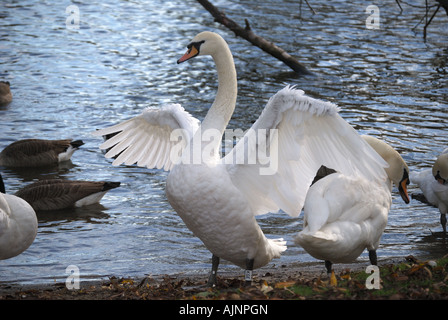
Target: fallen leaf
346, 276
285, 284
333, 280
265, 288
402, 278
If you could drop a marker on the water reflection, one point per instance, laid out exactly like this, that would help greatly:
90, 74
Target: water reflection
47, 172
95, 213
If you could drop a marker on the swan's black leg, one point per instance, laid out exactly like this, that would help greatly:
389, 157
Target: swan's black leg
328, 265
212, 278
248, 272
372, 257
443, 222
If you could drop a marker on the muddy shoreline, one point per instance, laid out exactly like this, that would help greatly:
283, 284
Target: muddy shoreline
178, 286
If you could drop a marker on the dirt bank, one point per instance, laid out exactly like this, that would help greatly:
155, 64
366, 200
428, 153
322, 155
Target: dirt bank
402, 279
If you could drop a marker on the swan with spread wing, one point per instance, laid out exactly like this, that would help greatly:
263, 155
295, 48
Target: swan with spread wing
218, 197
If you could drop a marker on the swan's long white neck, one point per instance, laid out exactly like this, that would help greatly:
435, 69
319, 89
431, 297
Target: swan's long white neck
222, 109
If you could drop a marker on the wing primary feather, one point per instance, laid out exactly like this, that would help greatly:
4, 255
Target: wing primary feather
145, 139
119, 147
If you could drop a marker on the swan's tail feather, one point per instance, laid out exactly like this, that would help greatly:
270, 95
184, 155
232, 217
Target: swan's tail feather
317, 237
278, 246
318, 244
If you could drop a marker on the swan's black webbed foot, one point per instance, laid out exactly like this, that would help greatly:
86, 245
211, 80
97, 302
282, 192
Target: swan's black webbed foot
212, 278
248, 272
443, 222
372, 257
328, 266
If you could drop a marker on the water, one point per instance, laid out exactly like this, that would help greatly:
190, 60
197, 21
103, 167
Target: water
389, 82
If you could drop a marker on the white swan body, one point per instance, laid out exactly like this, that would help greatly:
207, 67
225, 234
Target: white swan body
344, 215
434, 185
219, 197
340, 221
18, 225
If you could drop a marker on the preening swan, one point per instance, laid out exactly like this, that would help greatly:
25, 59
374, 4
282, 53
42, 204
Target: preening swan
269, 169
18, 224
434, 185
56, 194
345, 214
38, 152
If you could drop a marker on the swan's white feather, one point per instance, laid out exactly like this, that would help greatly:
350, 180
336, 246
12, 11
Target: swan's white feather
18, 225
146, 139
343, 216
311, 133
434, 192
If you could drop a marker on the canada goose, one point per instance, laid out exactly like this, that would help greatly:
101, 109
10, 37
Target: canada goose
38, 152
5, 93
58, 194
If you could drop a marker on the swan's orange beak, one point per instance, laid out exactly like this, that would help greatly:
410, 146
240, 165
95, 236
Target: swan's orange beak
192, 52
403, 190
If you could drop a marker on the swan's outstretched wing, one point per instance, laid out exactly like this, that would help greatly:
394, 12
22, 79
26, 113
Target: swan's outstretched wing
302, 134
147, 139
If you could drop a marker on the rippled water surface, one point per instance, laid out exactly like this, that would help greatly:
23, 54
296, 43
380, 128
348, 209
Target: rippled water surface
389, 83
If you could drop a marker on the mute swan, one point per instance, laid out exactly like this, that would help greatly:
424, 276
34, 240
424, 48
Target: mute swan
58, 194
18, 224
269, 169
38, 152
343, 215
5, 93
434, 185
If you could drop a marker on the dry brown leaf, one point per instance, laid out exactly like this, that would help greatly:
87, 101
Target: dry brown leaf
282, 285
333, 280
